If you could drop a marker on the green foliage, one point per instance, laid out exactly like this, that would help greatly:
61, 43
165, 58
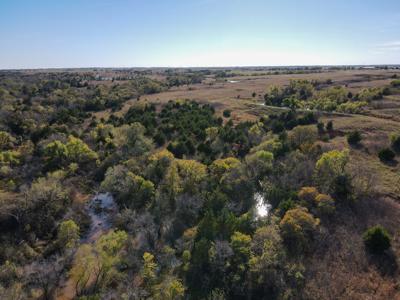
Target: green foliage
377, 239
226, 113
95, 266
395, 142
6, 140
303, 135
325, 204
395, 83
45, 202
149, 268
298, 227
330, 166
58, 155
386, 155
370, 94
130, 190
131, 140
259, 163
354, 138
68, 234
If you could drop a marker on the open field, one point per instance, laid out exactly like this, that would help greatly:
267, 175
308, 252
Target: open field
236, 92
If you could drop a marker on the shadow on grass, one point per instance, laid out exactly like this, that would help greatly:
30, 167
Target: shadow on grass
390, 163
385, 263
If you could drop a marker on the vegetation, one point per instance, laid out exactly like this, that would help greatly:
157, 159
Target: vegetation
199, 203
377, 239
354, 138
386, 155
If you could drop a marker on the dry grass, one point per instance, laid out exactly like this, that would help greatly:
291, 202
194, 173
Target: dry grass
237, 96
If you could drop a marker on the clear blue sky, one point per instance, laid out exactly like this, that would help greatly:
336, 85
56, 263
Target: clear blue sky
123, 33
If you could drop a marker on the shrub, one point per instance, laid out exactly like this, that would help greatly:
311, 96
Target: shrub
376, 239
395, 143
354, 137
308, 194
331, 165
395, 83
298, 227
386, 154
301, 135
325, 204
226, 113
329, 126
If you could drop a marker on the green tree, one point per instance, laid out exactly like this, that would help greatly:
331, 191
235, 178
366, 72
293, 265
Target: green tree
149, 269
329, 167
45, 203
377, 239
354, 138
131, 140
95, 266
386, 155
298, 227
68, 234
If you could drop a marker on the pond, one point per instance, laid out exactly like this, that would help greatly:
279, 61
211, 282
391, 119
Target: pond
262, 208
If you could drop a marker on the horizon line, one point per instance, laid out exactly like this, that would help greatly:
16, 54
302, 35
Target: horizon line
205, 67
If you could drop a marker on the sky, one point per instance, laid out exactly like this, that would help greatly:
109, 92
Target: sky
197, 33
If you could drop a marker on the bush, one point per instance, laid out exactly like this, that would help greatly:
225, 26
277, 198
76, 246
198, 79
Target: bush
376, 239
354, 137
329, 126
395, 143
395, 83
226, 113
325, 204
308, 195
386, 154
298, 227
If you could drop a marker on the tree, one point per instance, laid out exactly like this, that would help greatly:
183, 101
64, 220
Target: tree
191, 174
58, 155
55, 154
395, 142
149, 269
268, 257
79, 152
226, 113
95, 265
325, 204
45, 202
308, 195
301, 135
329, 167
386, 155
240, 244
6, 140
131, 140
158, 164
259, 163
377, 239
220, 166
298, 227
329, 126
170, 288
354, 138
68, 234
130, 190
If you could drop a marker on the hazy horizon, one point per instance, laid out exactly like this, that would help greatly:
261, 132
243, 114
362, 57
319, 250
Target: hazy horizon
204, 33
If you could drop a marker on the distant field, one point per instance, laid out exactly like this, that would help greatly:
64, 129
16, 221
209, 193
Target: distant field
236, 92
